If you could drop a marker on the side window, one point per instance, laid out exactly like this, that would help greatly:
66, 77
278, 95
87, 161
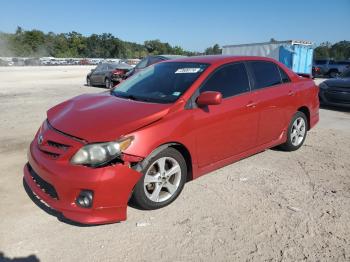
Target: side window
229, 80
98, 68
284, 76
142, 64
104, 67
266, 74
154, 60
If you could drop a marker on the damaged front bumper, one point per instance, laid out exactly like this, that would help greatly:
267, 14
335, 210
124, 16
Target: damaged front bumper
59, 183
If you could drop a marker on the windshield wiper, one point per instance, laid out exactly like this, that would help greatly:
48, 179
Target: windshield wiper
131, 97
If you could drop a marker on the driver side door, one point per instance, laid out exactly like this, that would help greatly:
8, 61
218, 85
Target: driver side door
230, 128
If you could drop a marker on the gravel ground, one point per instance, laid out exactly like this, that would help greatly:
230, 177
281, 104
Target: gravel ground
273, 206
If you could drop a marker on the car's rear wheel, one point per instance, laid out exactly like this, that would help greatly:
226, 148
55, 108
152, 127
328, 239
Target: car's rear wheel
108, 83
296, 132
163, 180
334, 74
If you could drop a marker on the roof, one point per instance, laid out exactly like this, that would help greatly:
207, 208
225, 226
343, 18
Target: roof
290, 42
168, 57
218, 59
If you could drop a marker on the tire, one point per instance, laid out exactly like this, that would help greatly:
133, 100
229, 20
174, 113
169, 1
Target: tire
88, 81
333, 73
108, 83
297, 131
156, 189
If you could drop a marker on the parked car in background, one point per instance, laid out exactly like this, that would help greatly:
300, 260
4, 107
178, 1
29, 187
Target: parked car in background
336, 92
6, 62
32, 62
107, 74
171, 123
150, 60
329, 67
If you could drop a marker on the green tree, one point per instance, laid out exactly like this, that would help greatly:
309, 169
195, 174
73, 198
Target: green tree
214, 50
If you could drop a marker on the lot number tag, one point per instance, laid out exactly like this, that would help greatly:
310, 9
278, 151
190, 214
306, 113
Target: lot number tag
187, 70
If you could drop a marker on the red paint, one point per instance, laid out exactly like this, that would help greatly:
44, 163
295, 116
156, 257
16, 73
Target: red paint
209, 98
214, 135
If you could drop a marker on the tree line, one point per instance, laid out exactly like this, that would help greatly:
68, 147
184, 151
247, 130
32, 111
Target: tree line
337, 51
35, 43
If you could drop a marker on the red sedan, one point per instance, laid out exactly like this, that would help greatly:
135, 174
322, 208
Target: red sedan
168, 124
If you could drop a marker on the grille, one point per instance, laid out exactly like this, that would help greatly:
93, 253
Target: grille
50, 154
58, 145
46, 187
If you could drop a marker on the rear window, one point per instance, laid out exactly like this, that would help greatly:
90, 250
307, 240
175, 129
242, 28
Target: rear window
266, 74
321, 62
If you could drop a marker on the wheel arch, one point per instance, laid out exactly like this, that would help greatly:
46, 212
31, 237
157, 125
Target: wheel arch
306, 111
177, 146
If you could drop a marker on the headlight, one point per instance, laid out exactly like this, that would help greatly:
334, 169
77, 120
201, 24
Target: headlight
100, 153
323, 86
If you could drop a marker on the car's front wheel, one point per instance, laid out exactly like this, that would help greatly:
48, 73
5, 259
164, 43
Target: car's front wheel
296, 132
163, 180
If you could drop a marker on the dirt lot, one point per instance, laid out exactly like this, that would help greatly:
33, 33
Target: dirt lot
273, 206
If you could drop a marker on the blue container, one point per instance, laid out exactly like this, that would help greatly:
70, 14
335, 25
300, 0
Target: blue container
296, 55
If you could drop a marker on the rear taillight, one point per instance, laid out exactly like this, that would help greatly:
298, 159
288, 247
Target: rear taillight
118, 72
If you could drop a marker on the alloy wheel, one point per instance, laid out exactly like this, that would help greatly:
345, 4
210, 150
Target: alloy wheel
298, 131
108, 83
162, 179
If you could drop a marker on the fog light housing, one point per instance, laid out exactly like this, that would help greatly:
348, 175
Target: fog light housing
84, 199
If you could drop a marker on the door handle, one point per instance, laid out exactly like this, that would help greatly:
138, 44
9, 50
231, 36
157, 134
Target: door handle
251, 104
291, 93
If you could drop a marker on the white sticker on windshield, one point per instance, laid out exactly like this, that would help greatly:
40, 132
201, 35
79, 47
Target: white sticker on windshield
176, 93
187, 70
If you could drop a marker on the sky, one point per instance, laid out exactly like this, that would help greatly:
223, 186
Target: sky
192, 24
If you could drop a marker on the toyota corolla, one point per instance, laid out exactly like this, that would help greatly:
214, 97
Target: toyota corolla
170, 123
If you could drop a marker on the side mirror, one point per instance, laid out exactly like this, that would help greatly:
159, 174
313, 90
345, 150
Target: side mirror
209, 98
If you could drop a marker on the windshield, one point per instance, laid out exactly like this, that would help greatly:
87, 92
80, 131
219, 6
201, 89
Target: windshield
160, 83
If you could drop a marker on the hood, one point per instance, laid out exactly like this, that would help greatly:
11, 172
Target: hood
103, 117
338, 82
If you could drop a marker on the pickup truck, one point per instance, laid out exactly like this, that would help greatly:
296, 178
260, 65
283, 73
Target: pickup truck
329, 67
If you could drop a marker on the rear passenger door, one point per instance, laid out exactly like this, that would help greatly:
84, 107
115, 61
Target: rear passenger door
230, 128
274, 98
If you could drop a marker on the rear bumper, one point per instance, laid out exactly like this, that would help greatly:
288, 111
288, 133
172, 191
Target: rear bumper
112, 187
